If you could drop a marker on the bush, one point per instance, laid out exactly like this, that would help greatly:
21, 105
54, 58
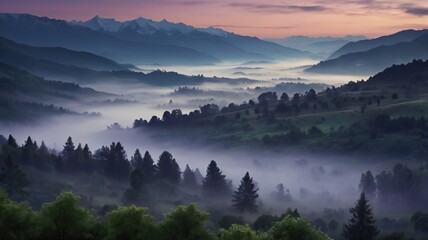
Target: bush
130, 223
296, 228
237, 232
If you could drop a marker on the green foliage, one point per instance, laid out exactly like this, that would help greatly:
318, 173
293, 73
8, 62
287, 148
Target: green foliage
131, 223
296, 228
228, 220
265, 222
64, 219
237, 232
185, 223
17, 220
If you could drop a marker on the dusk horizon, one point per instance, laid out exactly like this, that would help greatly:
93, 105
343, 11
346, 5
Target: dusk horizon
275, 19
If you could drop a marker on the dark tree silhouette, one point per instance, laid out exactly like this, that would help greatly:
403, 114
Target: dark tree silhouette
117, 165
368, 185
68, 151
168, 168
214, 183
189, 178
137, 160
11, 141
244, 199
285, 97
12, 178
148, 166
361, 225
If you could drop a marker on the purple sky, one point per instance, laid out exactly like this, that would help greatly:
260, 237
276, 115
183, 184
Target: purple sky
273, 18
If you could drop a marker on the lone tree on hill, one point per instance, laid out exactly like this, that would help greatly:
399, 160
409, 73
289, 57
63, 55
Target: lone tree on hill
214, 182
361, 226
244, 199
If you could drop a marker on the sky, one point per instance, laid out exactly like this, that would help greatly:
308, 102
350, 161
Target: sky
261, 18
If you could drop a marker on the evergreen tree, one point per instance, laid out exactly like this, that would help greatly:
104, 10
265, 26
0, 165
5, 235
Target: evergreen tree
244, 199
28, 151
11, 141
168, 168
117, 165
214, 183
368, 185
149, 167
43, 149
361, 226
284, 97
88, 159
12, 178
137, 160
189, 179
198, 176
68, 151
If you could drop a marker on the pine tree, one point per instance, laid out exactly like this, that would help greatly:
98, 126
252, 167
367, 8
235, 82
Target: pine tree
89, 162
78, 162
68, 151
12, 178
43, 149
148, 166
11, 141
117, 165
214, 183
368, 185
361, 226
198, 176
189, 179
137, 160
28, 151
244, 199
168, 168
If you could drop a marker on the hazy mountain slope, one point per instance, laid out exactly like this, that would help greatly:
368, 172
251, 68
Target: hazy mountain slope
364, 45
416, 71
52, 70
63, 56
42, 31
20, 85
323, 46
216, 42
374, 60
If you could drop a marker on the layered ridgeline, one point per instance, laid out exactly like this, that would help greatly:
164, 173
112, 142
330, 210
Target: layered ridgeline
367, 62
385, 115
84, 67
388, 40
322, 46
142, 41
26, 97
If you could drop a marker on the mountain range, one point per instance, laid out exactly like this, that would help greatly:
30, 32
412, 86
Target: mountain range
322, 46
142, 41
364, 45
376, 59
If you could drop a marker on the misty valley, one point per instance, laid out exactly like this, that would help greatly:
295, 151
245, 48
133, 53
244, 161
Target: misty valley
145, 129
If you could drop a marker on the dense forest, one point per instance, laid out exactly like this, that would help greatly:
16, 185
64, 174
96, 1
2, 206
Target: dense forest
108, 188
